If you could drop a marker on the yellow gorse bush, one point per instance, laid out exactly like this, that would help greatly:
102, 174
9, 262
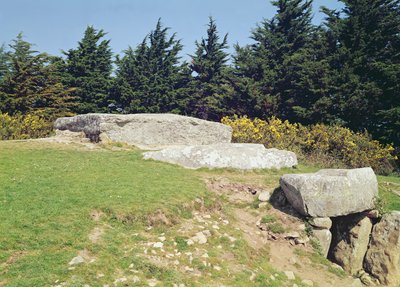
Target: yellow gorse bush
328, 145
23, 127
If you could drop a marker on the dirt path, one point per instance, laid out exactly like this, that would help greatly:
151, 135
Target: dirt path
284, 255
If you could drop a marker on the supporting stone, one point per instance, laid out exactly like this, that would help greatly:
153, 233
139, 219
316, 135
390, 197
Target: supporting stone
383, 255
350, 241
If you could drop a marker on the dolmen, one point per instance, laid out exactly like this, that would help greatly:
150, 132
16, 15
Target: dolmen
186, 141
147, 131
339, 205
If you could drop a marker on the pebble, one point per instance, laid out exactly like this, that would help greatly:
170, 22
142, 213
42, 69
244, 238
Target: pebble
218, 268
200, 237
264, 196
252, 276
290, 275
158, 245
152, 282
292, 235
189, 269
302, 241
272, 277
135, 279
122, 280
307, 282
77, 260
205, 255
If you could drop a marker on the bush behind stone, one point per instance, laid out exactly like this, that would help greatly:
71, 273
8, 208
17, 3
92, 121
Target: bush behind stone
324, 145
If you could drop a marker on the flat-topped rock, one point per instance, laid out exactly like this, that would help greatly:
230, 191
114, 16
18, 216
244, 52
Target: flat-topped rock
147, 131
225, 155
331, 192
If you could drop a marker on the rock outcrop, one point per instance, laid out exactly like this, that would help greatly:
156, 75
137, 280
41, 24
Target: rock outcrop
331, 192
383, 256
350, 241
237, 156
147, 131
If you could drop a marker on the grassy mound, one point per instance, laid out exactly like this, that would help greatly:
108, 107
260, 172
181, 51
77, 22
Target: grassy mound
110, 206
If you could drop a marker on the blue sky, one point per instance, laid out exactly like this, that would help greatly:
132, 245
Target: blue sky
53, 25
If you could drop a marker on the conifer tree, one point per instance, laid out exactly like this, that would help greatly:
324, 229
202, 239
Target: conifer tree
31, 84
367, 64
210, 87
281, 72
88, 68
149, 78
4, 59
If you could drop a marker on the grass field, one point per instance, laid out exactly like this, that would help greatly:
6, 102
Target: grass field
47, 196
50, 194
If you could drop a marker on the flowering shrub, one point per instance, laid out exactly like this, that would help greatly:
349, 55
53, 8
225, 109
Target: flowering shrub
23, 127
330, 146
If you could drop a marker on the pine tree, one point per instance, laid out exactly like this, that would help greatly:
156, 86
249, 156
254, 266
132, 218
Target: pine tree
149, 78
281, 72
88, 68
210, 87
367, 64
4, 60
31, 84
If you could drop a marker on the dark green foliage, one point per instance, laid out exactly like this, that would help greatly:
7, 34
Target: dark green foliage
210, 87
31, 85
88, 68
284, 72
149, 78
4, 59
367, 63
345, 71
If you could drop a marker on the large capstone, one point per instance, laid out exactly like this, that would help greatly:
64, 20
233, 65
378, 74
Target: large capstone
383, 255
147, 131
350, 241
237, 156
331, 192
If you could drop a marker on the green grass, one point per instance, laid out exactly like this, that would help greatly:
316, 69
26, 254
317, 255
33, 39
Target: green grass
276, 228
268, 219
389, 191
47, 195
